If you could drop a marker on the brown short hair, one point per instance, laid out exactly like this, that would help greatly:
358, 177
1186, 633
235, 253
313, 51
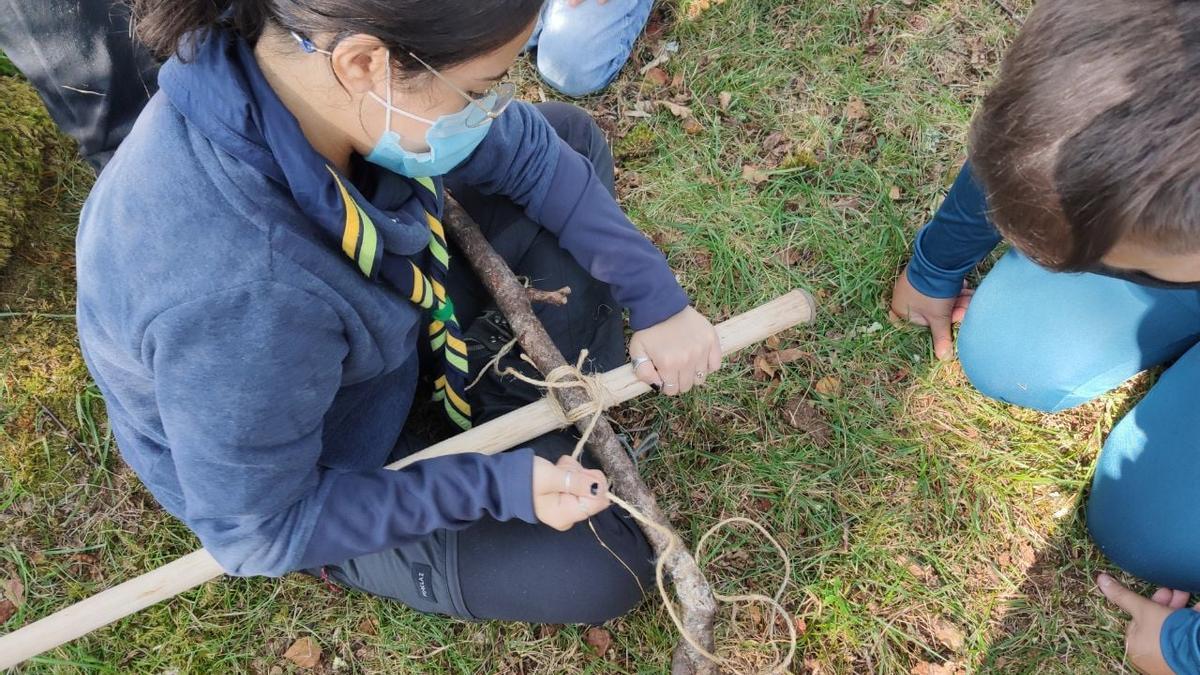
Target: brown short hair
1092, 133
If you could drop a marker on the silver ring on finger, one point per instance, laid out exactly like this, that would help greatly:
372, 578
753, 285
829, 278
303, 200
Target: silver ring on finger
582, 508
668, 385
638, 361
700, 374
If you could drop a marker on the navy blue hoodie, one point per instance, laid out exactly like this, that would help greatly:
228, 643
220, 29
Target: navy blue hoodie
255, 379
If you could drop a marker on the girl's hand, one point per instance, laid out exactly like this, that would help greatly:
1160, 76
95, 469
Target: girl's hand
1142, 646
677, 353
938, 313
566, 493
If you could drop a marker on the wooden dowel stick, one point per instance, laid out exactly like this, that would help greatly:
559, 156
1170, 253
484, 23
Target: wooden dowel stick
500, 434
537, 418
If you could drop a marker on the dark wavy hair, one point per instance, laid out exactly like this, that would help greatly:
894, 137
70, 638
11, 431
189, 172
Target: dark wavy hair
443, 33
1092, 133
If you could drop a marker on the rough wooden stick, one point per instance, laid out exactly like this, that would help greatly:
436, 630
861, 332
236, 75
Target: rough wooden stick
695, 596
500, 434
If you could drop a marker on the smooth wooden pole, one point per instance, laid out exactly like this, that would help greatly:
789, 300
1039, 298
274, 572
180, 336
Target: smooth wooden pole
500, 434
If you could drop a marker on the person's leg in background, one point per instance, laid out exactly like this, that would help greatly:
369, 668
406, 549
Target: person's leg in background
1143, 510
81, 58
581, 48
1052, 341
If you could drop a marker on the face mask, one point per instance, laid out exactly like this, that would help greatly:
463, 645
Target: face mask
451, 140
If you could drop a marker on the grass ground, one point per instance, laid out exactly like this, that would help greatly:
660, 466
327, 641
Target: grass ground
931, 530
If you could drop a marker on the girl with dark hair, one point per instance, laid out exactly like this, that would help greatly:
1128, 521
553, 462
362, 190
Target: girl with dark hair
1086, 156
265, 288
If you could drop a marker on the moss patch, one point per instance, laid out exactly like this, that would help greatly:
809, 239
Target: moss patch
30, 146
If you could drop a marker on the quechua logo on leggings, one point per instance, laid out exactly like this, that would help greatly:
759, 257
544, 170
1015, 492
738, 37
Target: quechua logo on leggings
422, 575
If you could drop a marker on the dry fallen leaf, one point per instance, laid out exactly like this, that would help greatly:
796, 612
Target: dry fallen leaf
948, 634
725, 98
754, 175
598, 639
547, 630
692, 127
680, 111
855, 110
658, 76
14, 592
927, 668
782, 356
828, 386
304, 652
801, 414
7, 609
698, 7
894, 193
773, 342
763, 368
368, 626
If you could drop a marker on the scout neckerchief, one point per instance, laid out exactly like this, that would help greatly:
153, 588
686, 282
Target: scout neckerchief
243, 114
425, 288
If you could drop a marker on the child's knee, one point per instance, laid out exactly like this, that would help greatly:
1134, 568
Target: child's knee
992, 372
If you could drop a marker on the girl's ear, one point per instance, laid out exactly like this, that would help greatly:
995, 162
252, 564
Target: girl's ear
360, 62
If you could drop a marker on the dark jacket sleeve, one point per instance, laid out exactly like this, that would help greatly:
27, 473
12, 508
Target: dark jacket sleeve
524, 159
243, 378
957, 238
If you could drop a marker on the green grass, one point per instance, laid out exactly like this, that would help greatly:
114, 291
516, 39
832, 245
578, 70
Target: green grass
924, 505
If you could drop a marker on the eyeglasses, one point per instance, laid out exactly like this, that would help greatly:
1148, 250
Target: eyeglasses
483, 110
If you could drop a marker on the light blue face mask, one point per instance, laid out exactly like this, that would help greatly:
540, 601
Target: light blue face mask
451, 139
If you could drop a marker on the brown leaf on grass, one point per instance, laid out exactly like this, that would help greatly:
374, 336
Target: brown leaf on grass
547, 630
763, 368
855, 110
868, 20
794, 255
828, 386
680, 111
927, 668
368, 626
658, 76
692, 127
598, 639
772, 342
801, 414
776, 143
725, 99
894, 193
754, 175
948, 634
304, 652
677, 83
782, 356
14, 592
7, 609
698, 7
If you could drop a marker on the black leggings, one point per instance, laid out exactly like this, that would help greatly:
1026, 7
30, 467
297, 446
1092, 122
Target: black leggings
513, 570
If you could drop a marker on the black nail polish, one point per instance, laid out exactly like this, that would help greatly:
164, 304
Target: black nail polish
656, 387
595, 489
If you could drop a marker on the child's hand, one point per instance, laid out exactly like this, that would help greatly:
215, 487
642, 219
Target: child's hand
938, 313
566, 493
677, 353
1142, 645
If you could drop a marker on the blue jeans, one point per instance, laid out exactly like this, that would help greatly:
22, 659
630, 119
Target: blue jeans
1052, 341
581, 49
